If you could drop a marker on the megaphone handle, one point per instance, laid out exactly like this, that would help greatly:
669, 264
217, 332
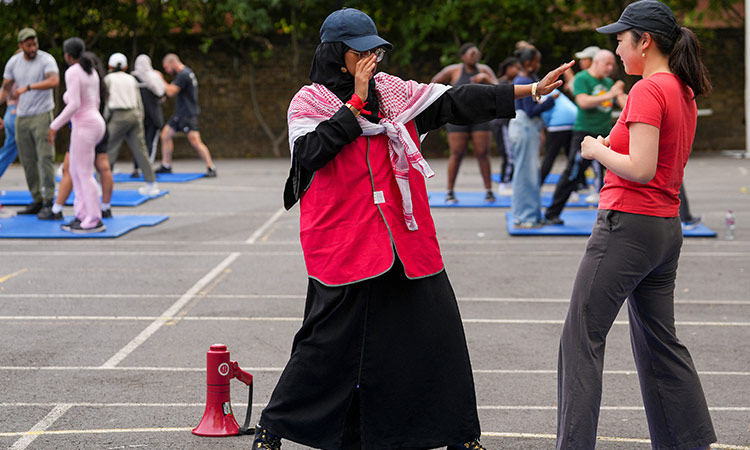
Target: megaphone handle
246, 428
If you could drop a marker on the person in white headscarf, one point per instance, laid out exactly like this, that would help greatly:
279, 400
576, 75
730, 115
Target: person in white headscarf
151, 84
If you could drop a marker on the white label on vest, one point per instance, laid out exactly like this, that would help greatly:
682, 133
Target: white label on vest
379, 197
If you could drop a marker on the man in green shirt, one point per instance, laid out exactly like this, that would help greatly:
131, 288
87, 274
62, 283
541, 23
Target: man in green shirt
595, 94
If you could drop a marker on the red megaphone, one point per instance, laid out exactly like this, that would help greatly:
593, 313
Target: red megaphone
218, 419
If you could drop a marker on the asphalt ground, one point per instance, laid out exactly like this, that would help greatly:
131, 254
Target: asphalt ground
104, 341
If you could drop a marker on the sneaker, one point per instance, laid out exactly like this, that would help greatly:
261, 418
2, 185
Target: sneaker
47, 214
31, 208
574, 197
149, 190
107, 213
473, 445
692, 223
163, 169
211, 172
69, 225
527, 225
6, 213
265, 440
552, 221
78, 229
489, 197
450, 198
592, 198
135, 174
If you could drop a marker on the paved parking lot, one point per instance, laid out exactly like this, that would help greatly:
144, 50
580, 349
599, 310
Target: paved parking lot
104, 341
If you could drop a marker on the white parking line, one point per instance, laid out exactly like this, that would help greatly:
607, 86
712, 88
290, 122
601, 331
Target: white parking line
29, 436
260, 231
279, 369
529, 300
733, 409
484, 434
171, 312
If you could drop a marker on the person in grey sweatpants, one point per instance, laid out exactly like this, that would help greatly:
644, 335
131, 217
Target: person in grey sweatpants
635, 245
126, 119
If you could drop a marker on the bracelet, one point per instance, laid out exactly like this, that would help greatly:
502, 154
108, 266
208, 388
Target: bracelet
28, 87
354, 110
533, 92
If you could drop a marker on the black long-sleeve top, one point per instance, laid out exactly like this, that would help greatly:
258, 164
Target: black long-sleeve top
462, 105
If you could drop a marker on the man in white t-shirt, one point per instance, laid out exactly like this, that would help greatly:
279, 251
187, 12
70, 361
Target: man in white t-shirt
36, 73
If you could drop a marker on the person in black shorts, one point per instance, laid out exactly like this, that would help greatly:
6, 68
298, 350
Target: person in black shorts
467, 72
185, 119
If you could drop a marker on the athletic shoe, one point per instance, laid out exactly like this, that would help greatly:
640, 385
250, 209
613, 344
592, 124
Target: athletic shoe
31, 208
47, 214
450, 198
6, 213
78, 229
489, 197
149, 190
107, 213
473, 445
592, 198
135, 174
163, 169
552, 221
265, 440
527, 225
211, 172
692, 223
574, 197
69, 225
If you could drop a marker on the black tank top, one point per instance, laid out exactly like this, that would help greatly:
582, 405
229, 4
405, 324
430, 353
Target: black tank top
465, 77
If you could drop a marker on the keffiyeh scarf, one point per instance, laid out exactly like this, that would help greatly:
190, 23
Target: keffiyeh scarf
400, 102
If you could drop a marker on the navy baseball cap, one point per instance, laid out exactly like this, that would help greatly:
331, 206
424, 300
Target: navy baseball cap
354, 28
646, 15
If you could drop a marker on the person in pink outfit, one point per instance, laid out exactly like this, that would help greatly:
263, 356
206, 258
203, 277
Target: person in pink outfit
82, 98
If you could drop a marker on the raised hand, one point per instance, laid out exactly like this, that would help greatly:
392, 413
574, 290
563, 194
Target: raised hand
363, 71
550, 81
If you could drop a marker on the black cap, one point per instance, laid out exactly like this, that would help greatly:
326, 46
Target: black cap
646, 15
354, 28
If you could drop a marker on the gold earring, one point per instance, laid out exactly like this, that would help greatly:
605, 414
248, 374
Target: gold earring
343, 70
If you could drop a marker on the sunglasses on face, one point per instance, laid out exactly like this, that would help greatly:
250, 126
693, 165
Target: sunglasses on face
379, 53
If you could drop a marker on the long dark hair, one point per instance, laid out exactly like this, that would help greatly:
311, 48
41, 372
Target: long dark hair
685, 58
99, 67
76, 48
507, 62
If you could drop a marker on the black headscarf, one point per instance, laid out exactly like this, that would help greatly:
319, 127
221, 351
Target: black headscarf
326, 70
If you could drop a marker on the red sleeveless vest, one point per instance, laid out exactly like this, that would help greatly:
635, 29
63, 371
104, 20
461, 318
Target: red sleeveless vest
346, 236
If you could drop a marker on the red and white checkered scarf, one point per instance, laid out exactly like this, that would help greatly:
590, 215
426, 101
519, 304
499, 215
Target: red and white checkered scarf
400, 102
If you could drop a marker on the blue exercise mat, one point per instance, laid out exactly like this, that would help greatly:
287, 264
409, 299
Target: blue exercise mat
119, 197
552, 178
160, 177
476, 200
29, 227
581, 222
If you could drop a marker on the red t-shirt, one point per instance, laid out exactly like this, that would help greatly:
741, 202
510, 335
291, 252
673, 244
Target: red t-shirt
664, 101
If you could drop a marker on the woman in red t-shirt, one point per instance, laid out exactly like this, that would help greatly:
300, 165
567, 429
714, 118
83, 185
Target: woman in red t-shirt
635, 244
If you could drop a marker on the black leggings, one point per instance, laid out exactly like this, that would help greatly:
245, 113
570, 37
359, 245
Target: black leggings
556, 141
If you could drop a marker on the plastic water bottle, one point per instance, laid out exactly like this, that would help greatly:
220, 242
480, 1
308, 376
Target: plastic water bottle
730, 226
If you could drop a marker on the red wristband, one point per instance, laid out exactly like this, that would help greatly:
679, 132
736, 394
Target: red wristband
357, 102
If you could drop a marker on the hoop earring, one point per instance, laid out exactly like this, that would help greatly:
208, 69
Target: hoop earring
343, 70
